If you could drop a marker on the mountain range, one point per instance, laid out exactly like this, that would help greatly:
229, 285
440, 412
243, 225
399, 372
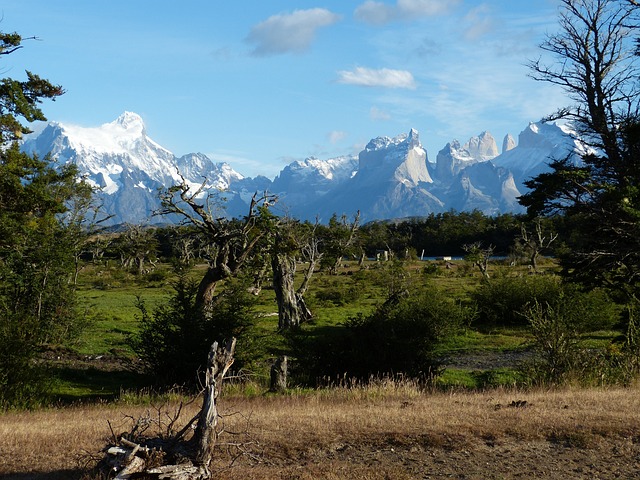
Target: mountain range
391, 177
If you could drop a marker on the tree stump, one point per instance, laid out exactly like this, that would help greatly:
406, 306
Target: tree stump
279, 374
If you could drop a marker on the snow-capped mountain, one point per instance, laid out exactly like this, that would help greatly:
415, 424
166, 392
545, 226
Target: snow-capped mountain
125, 165
454, 158
391, 178
302, 183
539, 144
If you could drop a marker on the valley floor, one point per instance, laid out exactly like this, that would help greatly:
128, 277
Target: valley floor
387, 431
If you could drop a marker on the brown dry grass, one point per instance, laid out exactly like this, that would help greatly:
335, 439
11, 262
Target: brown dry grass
386, 431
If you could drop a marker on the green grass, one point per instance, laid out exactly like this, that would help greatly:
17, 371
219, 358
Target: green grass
114, 316
110, 295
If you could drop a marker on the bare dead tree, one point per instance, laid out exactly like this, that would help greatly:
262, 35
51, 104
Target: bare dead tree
293, 240
479, 256
173, 456
535, 241
596, 68
234, 241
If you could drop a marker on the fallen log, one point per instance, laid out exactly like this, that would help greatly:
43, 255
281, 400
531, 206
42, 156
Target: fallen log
152, 457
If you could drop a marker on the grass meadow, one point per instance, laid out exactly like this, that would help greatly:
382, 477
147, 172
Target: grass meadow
380, 431
473, 424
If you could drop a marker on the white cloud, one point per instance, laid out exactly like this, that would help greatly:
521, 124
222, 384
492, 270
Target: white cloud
336, 135
478, 23
375, 12
379, 13
384, 77
289, 32
376, 114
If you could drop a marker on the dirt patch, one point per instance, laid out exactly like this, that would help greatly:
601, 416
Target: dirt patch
109, 362
489, 360
506, 459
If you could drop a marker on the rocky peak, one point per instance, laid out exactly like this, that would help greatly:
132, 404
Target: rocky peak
508, 143
483, 147
400, 159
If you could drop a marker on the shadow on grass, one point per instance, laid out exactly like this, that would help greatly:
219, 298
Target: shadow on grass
73, 384
56, 475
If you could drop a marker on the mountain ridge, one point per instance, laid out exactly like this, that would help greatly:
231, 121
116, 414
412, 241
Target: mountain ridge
391, 177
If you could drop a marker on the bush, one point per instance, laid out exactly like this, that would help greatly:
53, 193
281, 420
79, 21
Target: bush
399, 337
506, 302
556, 328
175, 338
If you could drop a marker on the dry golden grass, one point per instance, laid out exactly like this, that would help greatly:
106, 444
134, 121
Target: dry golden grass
385, 431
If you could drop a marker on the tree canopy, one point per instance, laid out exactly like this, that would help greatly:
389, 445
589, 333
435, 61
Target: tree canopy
37, 301
596, 62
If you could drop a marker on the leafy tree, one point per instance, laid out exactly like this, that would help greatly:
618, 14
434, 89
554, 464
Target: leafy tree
337, 240
38, 239
596, 65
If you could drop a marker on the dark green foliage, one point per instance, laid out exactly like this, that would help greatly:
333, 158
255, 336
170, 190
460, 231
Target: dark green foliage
593, 59
505, 302
37, 267
556, 328
37, 247
441, 234
338, 295
174, 339
399, 337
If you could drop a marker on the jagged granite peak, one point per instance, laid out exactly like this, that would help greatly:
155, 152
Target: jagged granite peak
302, 182
196, 166
454, 158
484, 187
539, 144
508, 143
483, 147
400, 158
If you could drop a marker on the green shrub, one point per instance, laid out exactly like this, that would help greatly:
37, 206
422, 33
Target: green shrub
399, 337
175, 338
505, 302
337, 295
556, 328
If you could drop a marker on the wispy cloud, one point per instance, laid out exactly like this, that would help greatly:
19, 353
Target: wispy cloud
376, 114
379, 13
289, 32
383, 77
336, 135
479, 22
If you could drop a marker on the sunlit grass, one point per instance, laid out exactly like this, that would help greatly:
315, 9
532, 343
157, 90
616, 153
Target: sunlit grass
286, 430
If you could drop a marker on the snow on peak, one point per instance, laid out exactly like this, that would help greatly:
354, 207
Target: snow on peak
130, 120
412, 140
401, 158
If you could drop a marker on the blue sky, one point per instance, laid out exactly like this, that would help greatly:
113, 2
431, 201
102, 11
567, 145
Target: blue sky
262, 83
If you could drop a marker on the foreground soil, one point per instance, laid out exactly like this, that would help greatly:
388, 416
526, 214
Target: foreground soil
387, 431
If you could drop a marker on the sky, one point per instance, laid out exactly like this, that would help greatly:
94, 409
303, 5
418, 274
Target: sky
259, 84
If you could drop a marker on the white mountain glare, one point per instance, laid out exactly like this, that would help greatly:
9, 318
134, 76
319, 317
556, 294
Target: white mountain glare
391, 178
